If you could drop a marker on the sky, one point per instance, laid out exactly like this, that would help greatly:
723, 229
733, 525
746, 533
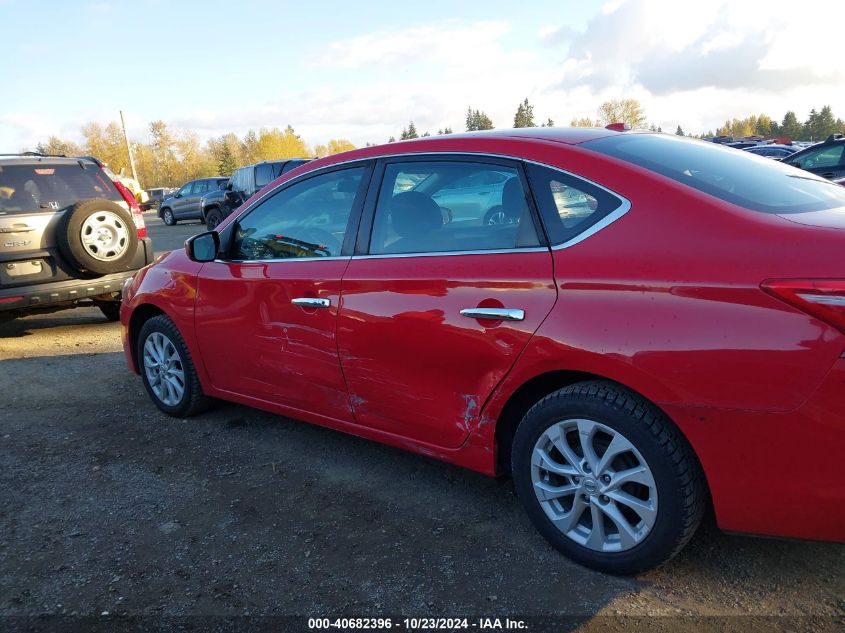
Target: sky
362, 70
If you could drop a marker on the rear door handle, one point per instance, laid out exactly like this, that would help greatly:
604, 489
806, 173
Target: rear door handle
494, 314
311, 302
827, 175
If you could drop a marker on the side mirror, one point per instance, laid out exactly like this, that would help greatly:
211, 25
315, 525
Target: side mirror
203, 247
178, 195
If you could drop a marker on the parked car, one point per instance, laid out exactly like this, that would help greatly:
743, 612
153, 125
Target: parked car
826, 159
185, 203
243, 184
155, 197
661, 327
772, 150
69, 235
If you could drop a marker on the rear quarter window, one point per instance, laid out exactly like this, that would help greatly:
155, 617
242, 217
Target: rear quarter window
569, 205
749, 181
46, 187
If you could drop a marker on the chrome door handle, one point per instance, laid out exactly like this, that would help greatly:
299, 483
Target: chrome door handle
494, 314
311, 302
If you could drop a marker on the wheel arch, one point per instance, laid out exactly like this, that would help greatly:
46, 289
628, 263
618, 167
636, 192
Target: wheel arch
531, 391
140, 315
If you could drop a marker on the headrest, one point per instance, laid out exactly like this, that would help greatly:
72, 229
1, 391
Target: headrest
513, 199
413, 212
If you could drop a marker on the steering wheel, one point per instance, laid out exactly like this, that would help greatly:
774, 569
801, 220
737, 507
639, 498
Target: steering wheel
321, 238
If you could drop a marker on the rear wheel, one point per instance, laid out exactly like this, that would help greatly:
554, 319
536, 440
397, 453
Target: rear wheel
606, 478
167, 370
213, 219
110, 310
167, 217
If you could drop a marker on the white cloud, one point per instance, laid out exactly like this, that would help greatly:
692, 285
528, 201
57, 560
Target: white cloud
444, 42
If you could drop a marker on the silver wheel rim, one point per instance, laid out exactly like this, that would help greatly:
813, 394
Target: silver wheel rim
168, 216
594, 485
164, 369
105, 236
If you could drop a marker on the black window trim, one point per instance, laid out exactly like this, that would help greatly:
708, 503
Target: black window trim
227, 235
365, 229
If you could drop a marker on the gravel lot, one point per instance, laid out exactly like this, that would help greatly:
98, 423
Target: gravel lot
110, 506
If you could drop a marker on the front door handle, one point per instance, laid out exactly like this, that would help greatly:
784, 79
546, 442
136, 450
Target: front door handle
311, 302
827, 175
494, 314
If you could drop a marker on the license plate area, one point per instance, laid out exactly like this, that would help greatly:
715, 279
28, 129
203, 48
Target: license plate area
21, 269
26, 271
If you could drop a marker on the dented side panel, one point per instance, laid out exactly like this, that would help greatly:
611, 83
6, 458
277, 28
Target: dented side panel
413, 364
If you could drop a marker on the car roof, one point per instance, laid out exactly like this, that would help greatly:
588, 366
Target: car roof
40, 159
485, 139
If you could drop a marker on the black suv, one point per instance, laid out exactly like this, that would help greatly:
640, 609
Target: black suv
245, 181
69, 235
185, 203
825, 159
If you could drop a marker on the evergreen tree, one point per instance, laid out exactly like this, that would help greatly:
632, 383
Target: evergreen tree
524, 115
679, 131
478, 120
226, 162
791, 127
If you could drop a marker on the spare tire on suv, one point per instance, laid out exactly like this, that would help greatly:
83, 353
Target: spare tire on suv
98, 236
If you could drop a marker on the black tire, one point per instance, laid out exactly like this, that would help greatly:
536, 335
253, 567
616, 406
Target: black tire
110, 310
677, 475
121, 254
167, 216
213, 219
193, 399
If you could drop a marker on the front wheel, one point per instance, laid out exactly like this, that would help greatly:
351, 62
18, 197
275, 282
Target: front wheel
167, 370
167, 217
606, 478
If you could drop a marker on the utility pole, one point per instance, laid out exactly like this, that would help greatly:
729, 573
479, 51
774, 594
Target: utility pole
128, 148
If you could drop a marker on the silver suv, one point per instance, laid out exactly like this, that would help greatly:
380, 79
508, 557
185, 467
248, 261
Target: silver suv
69, 235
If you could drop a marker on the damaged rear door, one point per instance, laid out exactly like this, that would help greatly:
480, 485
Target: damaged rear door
434, 313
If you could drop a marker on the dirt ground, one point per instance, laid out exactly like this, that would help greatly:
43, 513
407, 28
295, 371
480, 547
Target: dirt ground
109, 507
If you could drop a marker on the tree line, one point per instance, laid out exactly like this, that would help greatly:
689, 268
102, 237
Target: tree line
168, 159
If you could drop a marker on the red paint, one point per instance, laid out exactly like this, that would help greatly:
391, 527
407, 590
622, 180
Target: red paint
667, 300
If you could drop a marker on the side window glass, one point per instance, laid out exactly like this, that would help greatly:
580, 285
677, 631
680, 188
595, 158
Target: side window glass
824, 157
451, 206
186, 190
568, 205
200, 187
307, 219
263, 175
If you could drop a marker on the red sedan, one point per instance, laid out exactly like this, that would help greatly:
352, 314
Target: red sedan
632, 325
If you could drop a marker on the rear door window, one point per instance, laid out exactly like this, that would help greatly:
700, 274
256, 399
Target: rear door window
451, 206
44, 187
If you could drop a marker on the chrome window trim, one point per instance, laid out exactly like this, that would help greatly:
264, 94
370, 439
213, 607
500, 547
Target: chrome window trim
282, 259
606, 221
497, 251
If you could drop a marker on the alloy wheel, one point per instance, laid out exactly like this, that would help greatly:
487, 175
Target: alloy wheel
164, 369
594, 485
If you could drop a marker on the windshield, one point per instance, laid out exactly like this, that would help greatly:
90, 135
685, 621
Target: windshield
44, 187
750, 181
